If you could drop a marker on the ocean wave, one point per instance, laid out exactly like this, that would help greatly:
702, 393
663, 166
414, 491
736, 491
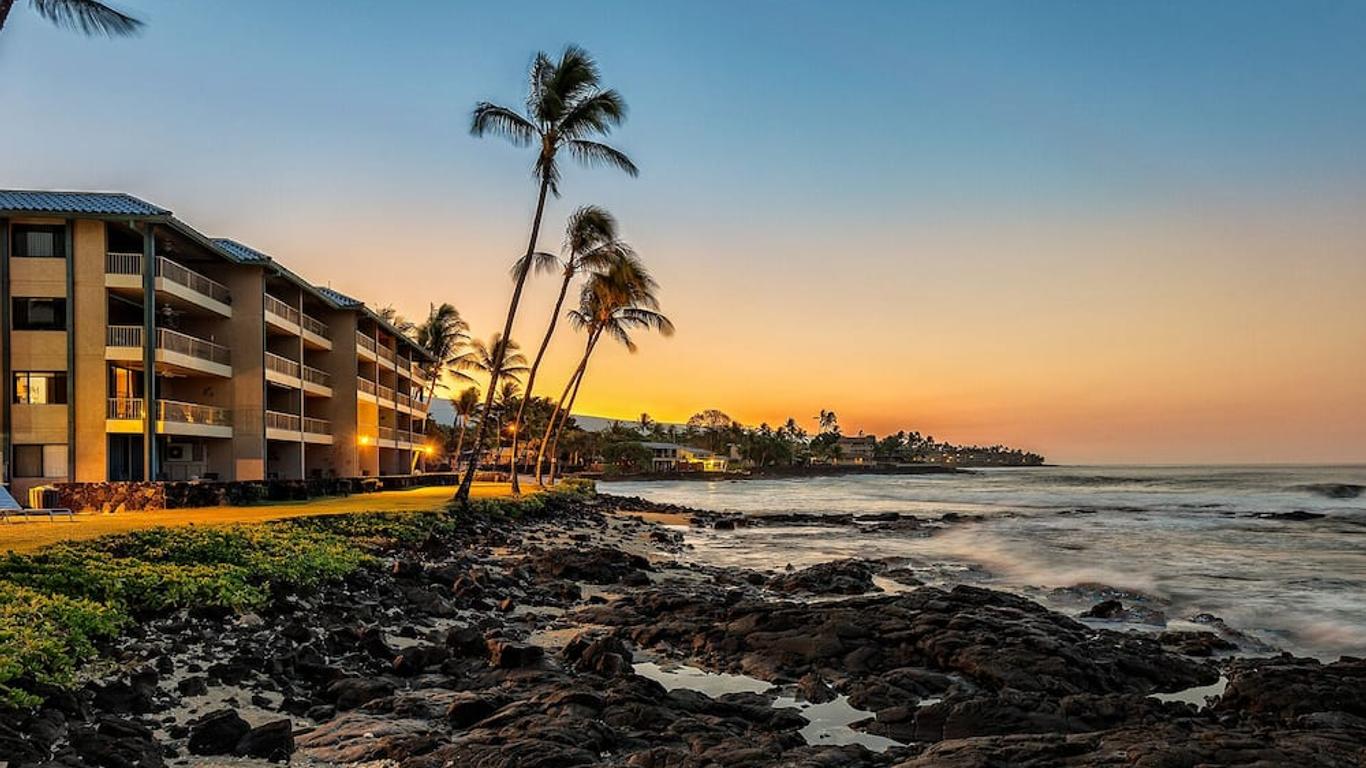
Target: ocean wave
1333, 490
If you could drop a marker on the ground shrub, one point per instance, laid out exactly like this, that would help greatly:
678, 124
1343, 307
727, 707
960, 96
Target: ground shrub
43, 637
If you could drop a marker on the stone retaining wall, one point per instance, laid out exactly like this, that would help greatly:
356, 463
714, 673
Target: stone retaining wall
138, 496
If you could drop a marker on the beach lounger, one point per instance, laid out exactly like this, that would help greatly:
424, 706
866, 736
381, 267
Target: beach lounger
9, 508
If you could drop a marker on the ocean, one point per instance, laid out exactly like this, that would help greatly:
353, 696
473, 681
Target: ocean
1182, 543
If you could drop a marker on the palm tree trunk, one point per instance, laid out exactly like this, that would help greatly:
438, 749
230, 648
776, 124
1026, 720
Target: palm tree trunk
459, 445
462, 496
555, 415
535, 366
568, 409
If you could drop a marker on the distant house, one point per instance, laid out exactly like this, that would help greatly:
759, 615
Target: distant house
857, 450
672, 457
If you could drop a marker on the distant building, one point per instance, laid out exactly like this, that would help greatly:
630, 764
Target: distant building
857, 450
672, 457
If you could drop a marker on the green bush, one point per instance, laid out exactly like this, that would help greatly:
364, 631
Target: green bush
43, 637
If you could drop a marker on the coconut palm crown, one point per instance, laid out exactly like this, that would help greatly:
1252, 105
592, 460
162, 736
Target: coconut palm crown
85, 16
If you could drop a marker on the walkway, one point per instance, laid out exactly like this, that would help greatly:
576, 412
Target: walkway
30, 535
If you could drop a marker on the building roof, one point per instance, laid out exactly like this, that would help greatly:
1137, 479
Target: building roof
88, 203
242, 253
337, 297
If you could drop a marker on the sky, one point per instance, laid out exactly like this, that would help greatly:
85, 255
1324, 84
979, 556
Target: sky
1107, 232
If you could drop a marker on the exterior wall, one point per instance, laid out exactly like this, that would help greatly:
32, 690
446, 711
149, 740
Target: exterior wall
248, 385
343, 409
88, 383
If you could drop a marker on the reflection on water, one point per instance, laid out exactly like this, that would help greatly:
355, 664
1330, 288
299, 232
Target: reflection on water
1190, 539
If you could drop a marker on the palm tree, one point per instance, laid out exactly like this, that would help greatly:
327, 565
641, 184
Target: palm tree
484, 358
567, 109
87, 16
591, 242
443, 335
466, 405
611, 304
827, 421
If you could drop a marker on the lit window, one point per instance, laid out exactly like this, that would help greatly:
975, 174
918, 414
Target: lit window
32, 388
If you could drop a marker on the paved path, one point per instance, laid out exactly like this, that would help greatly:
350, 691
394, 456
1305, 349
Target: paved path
30, 535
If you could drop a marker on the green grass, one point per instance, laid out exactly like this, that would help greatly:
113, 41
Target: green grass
59, 603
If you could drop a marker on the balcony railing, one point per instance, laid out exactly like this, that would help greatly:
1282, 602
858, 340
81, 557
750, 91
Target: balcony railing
171, 341
384, 393
385, 353
315, 376
365, 342
387, 433
193, 413
282, 310
317, 426
316, 326
125, 408
286, 421
282, 365
365, 385
404, 400
131, 264
170, 410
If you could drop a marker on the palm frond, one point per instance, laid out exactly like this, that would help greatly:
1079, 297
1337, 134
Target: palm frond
594, 153
576, 73
597, 113
601, 258
541, 262
88, 16
489, 118
588, 227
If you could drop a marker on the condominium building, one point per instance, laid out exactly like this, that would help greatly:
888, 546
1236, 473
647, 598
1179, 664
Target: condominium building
135, 348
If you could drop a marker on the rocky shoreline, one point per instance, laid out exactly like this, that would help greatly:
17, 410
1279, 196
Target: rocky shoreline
554, 639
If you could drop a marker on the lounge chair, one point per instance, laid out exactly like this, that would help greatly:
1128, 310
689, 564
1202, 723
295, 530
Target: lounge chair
10, 508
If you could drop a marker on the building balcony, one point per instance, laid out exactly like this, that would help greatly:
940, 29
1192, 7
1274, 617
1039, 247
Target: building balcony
315, 332
317, 431
386, 356
388, 437
125, 415
283, 371
176, 284
365, 347
283, 318
175, 352
365, 390
317, 382
283, 426
385, 395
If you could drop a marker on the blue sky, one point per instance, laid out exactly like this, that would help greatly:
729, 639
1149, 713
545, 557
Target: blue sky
885, 164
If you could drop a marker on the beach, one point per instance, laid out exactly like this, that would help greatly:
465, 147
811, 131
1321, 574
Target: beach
572, 631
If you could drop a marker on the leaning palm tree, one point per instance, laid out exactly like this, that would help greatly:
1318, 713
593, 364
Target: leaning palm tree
86, 16
612, 304
590, 245
566, 110
466, 406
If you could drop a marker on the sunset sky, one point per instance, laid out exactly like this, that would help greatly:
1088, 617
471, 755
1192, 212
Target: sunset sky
1107, 232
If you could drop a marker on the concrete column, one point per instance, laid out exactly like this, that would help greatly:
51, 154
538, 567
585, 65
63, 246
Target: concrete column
149, 353
6, 377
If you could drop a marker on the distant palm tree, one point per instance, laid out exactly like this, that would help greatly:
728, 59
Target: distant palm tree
611, 304
484, 358
86, 16
591, 245
442, 335
827, 421
466, 406
567, 109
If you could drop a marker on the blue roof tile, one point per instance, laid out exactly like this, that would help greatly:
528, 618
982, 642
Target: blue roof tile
241, 252
338, 297
94, 203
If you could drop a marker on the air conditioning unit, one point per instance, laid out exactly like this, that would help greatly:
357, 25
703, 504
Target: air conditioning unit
179, 452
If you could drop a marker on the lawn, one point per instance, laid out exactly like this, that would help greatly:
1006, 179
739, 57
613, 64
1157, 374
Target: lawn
39, 532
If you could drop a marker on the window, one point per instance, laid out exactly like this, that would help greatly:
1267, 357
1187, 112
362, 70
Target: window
39, 314
40, 461
40, 242
32, 388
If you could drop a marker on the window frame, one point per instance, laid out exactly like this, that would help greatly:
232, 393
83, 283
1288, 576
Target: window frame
19, 319
52, 387
19, 241
17, 470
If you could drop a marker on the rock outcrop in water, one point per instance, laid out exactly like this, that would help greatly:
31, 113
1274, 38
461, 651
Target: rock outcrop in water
452, 655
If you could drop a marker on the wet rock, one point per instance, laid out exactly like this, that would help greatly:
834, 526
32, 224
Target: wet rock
417, 658
355, 691
506, 654
813, 688
595, 565
217, 733
357, 738
470, 708
272, 741
839, 577
117, 743
193, 686
607, 656
1200, 644
1281, 689
1296, 516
